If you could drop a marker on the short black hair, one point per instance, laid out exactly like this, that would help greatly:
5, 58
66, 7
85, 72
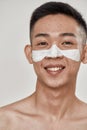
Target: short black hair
57, 8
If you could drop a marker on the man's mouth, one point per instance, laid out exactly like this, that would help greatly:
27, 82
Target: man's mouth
54, 69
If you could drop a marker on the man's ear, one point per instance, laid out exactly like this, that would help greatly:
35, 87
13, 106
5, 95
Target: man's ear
28, 53
84, 56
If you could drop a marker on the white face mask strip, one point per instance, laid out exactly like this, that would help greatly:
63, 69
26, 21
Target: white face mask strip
53, 52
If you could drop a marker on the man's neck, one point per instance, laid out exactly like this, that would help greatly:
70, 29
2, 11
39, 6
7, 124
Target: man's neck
54, 101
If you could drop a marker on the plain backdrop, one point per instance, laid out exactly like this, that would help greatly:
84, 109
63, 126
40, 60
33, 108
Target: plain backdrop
17, 77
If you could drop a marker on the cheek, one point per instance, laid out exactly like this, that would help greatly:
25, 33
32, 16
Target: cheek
38, 68
35, 68
74, 68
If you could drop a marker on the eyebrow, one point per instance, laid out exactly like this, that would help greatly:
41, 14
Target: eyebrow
62, 35
68, 34
42, 35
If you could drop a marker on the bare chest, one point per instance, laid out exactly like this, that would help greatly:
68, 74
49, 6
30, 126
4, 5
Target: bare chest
36, 124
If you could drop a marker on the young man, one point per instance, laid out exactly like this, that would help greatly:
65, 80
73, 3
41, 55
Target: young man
58, 46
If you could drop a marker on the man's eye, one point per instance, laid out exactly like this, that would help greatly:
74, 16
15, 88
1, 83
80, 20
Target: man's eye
42, 43
67, 43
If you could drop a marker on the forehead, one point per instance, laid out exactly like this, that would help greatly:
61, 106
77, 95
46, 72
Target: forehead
55, 24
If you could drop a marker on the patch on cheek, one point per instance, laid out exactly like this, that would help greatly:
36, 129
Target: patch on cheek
54, 51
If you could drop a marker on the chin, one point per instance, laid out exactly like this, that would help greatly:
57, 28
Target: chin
56, 84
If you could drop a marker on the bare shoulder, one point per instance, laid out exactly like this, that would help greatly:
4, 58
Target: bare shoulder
81, 110
83, 107
13, 113
6, 118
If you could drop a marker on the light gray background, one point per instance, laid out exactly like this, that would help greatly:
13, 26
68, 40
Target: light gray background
17, 77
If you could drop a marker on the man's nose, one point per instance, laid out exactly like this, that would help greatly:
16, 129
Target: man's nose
54, 52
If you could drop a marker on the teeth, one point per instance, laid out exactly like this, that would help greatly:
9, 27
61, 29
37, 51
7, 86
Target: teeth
54, 68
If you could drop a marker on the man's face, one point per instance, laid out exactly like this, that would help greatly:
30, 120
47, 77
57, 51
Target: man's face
62, 31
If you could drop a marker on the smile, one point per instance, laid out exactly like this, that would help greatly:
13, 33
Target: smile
54, 69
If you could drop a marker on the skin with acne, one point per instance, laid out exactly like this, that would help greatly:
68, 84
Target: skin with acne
53, 106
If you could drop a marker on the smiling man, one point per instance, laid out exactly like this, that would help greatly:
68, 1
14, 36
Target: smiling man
58, 36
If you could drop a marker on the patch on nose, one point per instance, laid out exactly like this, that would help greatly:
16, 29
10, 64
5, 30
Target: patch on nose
54, 51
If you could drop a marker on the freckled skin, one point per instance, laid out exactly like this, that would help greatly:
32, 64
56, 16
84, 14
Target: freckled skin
53, 105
